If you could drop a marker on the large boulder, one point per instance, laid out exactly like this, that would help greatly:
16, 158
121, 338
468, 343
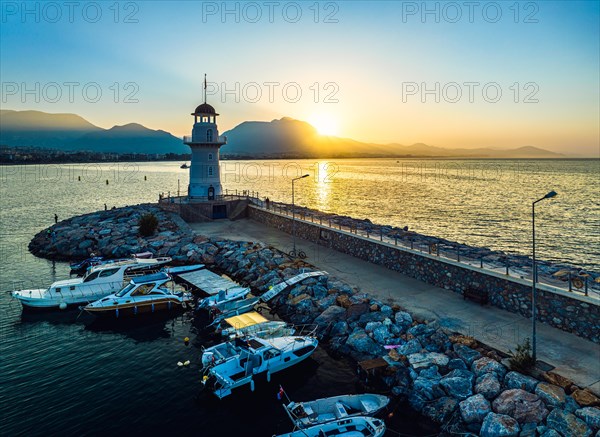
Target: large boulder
499, 425
361, 342
567, 424
474, 409
486, 365
403, 320
518, 380
331, 315
382, 335
586, 398
410, 347
589, 415
457, 387
525, 407
428, 388
424, 360
488, 385
553, 395
466, 354
440, 410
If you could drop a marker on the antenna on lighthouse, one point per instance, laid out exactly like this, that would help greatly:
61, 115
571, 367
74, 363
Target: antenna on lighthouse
204, 87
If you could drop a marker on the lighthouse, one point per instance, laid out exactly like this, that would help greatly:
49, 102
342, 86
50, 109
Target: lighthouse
205, 142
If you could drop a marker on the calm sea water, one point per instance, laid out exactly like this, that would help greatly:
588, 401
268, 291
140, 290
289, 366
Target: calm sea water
66, 374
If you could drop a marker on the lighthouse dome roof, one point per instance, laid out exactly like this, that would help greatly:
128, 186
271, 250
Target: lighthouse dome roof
205, 108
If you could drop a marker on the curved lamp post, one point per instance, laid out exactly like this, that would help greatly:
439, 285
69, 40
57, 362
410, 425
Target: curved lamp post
294, 209
550, 195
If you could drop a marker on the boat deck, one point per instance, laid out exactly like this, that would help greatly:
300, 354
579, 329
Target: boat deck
207, 281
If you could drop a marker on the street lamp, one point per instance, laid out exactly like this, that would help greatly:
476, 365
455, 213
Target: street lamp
294, 211
550, 195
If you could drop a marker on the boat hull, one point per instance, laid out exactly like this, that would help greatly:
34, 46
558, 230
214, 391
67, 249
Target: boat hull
36, 300
132, 310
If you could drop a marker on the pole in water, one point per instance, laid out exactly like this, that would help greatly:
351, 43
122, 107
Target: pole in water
79, 178
107, 182
145, 178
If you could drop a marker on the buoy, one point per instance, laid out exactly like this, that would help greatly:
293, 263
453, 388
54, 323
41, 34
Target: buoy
390, 415
186, 363
204, 379
62, 306
179, 363
186, 340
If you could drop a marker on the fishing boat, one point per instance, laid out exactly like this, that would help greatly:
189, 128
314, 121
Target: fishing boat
98, 282
144, 294
235, 363
223, 296
307, 414
255, 324
358, 426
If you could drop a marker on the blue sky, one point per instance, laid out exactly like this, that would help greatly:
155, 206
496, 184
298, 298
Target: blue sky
365, 62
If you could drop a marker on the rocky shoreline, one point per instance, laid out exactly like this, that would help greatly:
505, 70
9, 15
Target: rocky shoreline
451, 379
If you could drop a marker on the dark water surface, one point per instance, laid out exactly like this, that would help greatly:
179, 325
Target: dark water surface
67, 374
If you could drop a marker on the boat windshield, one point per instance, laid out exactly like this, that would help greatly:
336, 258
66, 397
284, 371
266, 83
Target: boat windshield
126, 290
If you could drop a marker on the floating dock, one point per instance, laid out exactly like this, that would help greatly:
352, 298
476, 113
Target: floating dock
207, 281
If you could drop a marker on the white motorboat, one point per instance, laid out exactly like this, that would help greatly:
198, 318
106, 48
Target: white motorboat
98, 282
358, 426
306, 414
144, 294
233, 293
254, 324
235, 363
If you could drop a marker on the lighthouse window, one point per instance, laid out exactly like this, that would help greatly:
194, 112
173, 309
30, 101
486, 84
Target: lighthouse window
204, 119
209, 135
210, 156
210, 171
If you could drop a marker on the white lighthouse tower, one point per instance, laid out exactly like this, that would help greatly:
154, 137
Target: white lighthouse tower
205, 142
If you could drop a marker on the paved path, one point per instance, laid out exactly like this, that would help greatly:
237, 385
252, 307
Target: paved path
572, 356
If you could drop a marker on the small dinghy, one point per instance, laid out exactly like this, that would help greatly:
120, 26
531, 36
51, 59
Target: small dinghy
306, 414
358, 426
235, 363
184, 269
231, 294
144, 294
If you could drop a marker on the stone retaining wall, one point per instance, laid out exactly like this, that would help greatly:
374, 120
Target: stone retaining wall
579, 315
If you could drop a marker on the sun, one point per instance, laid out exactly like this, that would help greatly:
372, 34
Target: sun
325, 124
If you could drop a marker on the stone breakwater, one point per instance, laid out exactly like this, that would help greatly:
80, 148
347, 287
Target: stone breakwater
569, 312
518, 264
448, 378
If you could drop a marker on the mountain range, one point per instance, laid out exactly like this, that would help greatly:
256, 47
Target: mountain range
284, 138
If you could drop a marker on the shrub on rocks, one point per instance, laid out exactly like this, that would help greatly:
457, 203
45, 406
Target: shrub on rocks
499, 425
148, 224
474, 409
488, 385
567, 424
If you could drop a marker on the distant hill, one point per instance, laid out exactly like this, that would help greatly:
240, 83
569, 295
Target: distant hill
72, 132
293, 138
130, 138
284, 138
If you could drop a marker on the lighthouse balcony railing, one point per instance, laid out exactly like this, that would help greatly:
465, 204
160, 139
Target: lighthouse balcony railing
216, 140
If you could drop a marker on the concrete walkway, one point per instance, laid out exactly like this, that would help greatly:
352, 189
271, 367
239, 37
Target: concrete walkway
573, 357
